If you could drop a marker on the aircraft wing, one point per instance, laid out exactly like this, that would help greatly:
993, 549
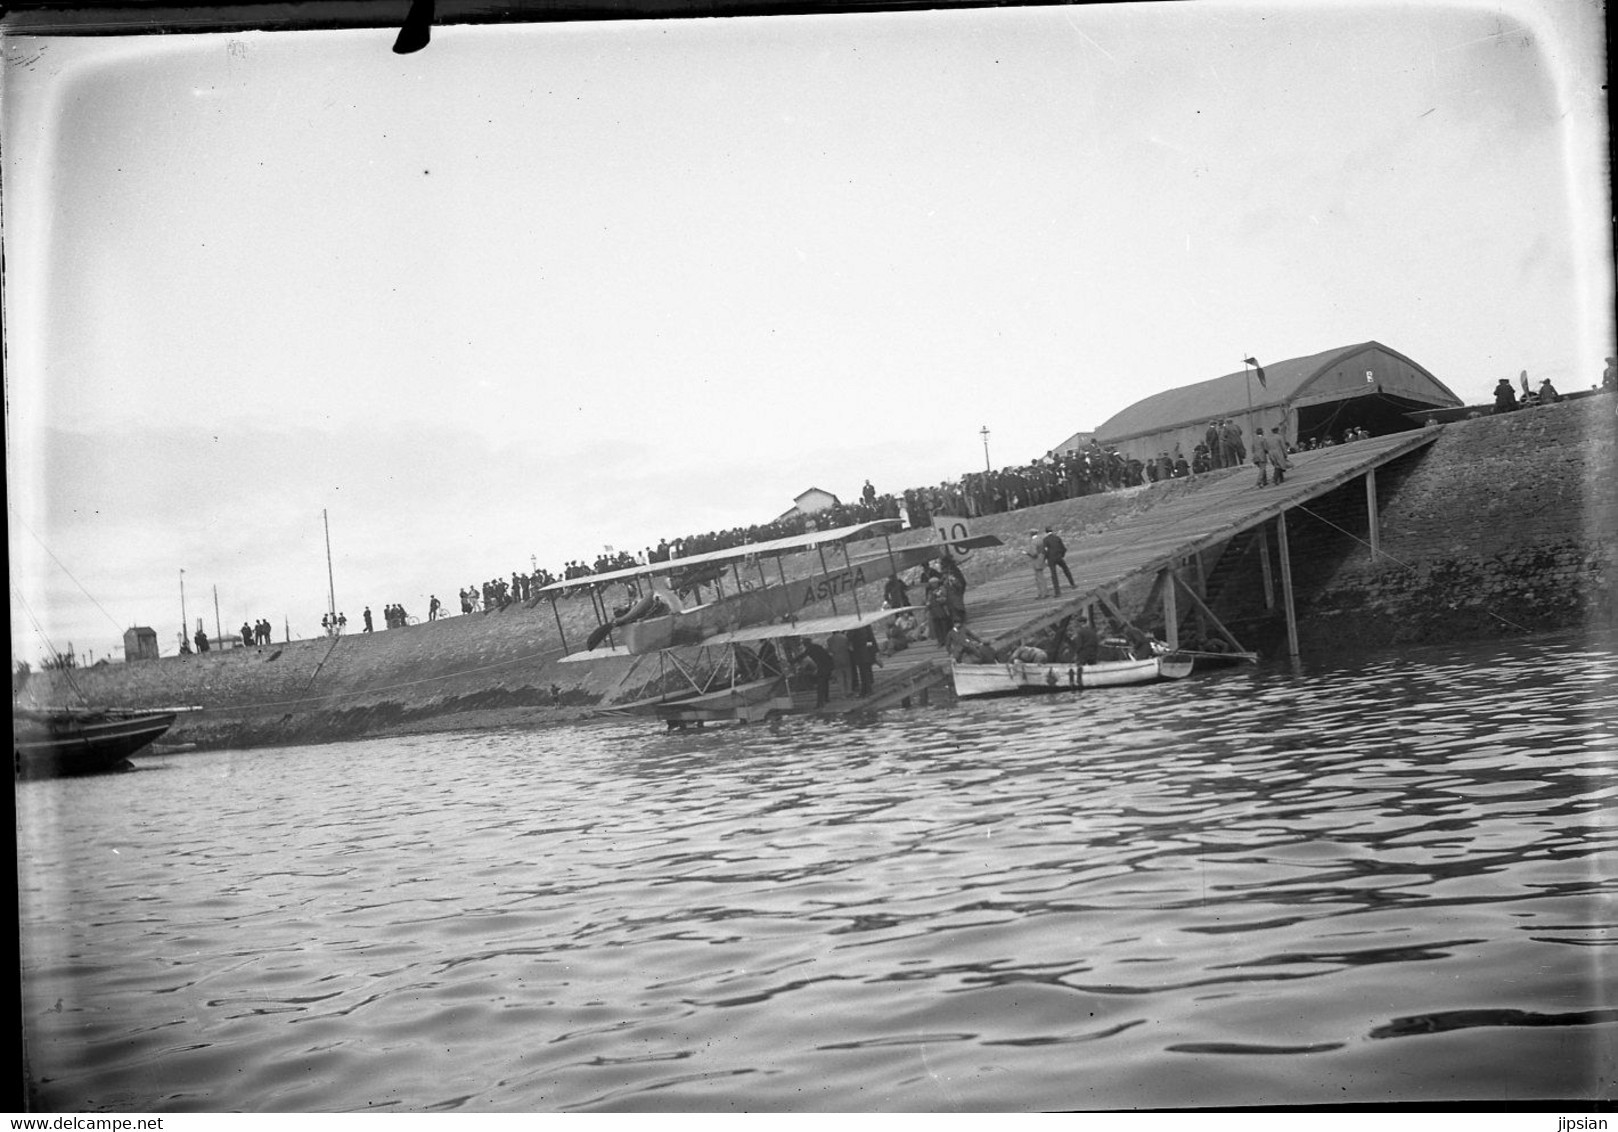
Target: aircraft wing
769, 549
809, 627
976, 541
595, 654
905, 557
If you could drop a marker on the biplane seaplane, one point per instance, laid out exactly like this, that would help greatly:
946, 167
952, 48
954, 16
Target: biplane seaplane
722, 624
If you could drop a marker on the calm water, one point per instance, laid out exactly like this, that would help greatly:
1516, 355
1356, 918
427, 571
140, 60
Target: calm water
1392, 881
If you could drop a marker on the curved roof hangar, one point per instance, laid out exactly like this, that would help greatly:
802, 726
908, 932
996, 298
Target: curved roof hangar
1344, 374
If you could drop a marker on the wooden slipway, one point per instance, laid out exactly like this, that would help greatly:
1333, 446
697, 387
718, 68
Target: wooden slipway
1152, 545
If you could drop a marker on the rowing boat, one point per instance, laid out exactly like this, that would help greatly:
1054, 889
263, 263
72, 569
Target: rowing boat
1015, 677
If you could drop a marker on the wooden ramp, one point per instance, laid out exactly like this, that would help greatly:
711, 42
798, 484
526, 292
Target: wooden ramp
1223, 505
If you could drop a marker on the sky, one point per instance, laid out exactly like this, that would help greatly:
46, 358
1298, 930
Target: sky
538, 290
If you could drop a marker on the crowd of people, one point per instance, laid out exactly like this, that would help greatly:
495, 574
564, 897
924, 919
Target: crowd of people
393, 616
251, 634
1054, 477
1057, 476
1327, 440
605, 563
497, 593
258, 633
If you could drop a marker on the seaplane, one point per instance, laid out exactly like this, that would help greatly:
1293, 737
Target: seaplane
720, 623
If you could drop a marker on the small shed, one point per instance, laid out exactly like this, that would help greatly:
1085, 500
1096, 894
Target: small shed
815, 499
140, 643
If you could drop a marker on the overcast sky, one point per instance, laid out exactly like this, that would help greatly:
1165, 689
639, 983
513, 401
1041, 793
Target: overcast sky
540, 289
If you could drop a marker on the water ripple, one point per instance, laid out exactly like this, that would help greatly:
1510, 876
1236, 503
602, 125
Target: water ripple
1227, 891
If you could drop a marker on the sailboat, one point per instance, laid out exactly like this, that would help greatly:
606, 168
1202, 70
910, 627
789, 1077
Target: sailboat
55, 742
52, 741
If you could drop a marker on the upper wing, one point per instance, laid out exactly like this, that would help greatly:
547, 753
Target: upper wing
769, 549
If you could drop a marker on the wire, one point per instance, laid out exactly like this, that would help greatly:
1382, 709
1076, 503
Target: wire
61, 664
116, 624
1400, 561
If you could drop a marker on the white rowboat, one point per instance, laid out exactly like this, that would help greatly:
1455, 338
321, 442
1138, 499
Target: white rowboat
1019, 678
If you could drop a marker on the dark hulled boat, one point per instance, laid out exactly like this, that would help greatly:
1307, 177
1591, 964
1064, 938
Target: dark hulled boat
67, 741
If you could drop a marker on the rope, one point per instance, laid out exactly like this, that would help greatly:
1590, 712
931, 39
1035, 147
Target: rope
313, 676
66, 571
1400, 561
61, 665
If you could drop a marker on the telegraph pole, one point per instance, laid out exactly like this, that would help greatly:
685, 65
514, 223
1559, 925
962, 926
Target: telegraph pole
331, 587
984, 432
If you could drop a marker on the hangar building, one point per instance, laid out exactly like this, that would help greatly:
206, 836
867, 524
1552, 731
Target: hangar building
1365, 385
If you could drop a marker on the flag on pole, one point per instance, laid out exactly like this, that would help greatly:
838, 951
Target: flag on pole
1260, 369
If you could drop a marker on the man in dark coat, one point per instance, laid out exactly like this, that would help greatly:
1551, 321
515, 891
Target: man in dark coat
1275, 453
864, 653
895, 593
1230, 437
842, 659
1505, 397
824, 667
939, 615
1086, 644
1056, 558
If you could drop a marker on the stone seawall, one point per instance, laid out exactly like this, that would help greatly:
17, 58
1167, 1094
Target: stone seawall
357, 684
1505, 525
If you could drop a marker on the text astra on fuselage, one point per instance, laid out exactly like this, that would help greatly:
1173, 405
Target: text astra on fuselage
831, 585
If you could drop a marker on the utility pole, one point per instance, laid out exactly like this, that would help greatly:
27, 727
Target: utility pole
218, 629
185, 627
984, 432
331, 587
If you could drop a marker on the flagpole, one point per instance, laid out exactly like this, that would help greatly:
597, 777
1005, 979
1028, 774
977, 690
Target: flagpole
1247, 376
